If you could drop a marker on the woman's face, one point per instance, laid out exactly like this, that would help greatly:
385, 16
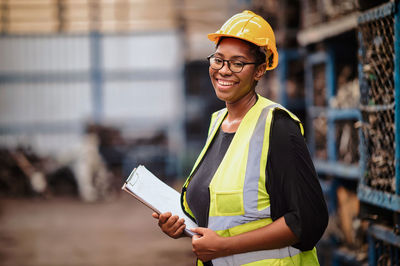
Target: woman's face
231, 87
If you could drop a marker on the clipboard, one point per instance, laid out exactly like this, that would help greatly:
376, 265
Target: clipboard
156, 195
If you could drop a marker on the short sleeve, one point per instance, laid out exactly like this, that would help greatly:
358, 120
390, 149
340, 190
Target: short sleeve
292, 183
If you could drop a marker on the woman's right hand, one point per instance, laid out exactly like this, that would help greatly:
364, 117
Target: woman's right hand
170, 225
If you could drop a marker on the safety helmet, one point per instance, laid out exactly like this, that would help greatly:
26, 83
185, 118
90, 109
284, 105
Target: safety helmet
253, 28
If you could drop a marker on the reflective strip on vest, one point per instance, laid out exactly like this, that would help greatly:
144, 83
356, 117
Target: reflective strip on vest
245, 258
216, 121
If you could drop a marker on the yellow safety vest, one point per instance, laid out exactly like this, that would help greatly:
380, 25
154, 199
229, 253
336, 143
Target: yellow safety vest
239, 201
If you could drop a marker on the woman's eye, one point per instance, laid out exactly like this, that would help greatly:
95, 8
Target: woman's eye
237, 63
218, 60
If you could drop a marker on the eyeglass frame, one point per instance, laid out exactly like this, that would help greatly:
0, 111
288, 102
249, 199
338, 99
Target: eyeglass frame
229, 63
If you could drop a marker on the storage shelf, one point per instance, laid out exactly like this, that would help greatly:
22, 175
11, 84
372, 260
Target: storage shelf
379, 198
337, 169
325, 186
334, 114
329, 29
385, 234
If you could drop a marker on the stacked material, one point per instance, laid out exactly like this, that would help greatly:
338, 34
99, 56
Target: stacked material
319, 11
320, 133
319, 85
30, 16
347, 142
135, 15
348, 90
80, 16
337, 8
348, 95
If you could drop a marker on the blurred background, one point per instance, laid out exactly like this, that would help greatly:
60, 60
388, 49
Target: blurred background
90, 89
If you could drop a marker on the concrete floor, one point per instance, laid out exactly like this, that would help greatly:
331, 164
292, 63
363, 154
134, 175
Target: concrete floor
67, 232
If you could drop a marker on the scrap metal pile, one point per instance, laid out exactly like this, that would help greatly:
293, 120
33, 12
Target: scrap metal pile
93, 172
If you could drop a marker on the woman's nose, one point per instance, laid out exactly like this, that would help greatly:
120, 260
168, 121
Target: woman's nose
225, 70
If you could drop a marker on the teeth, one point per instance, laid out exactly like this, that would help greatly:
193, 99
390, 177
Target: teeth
225, 83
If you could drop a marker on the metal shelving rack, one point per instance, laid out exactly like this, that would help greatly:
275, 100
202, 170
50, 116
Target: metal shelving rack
379, 72
336, 172
377, 189
331, 166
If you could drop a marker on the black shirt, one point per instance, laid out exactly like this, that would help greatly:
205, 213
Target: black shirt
292, 182
197, 193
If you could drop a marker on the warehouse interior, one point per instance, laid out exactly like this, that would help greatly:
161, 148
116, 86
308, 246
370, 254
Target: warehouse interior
91, 89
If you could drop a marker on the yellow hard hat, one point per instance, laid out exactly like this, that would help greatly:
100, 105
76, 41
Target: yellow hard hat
250, 27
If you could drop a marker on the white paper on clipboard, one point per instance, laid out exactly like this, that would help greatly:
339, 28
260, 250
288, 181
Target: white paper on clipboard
156, 195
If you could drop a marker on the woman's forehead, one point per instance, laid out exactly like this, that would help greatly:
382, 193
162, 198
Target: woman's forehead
233, 47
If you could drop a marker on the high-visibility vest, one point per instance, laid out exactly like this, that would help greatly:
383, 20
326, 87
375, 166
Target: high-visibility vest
239, 201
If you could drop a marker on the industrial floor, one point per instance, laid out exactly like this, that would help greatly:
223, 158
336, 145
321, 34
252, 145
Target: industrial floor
68, 232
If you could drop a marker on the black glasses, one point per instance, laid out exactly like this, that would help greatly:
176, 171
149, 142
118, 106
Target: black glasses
234, 65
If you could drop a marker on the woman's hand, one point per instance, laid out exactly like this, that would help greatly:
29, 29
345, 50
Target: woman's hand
207, 245
170, 225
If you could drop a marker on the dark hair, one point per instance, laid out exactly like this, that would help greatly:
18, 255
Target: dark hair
258, 54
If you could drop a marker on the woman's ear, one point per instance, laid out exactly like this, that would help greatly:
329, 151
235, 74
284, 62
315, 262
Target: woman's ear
260, 71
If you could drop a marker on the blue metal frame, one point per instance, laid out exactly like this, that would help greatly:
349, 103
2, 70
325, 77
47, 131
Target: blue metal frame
84, 76
339, 256
397, 94
386, 236
37, 127
378, 12
330, 92
384, 233
379, 198
285, 56
331, 166
371, 251
337, 169
311, 60
64, 77
96, 75
334, 114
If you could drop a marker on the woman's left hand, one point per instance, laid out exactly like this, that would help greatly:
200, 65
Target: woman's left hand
207, 244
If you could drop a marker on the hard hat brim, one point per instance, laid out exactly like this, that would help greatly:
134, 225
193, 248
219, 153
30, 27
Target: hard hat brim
214, 37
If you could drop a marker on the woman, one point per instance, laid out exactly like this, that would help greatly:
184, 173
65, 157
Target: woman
253, 190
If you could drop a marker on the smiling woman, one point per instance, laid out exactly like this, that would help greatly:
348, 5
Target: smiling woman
253, 190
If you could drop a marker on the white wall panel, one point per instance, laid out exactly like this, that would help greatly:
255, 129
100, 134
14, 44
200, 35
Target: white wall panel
44, 102
44, 54
146, 51
141, 100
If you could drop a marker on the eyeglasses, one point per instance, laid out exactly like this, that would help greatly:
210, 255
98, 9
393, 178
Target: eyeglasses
234, 65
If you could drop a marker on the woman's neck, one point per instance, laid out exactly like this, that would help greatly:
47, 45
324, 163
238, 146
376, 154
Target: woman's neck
237, 110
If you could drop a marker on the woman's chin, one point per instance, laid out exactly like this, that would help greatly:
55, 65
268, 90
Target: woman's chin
222, 95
